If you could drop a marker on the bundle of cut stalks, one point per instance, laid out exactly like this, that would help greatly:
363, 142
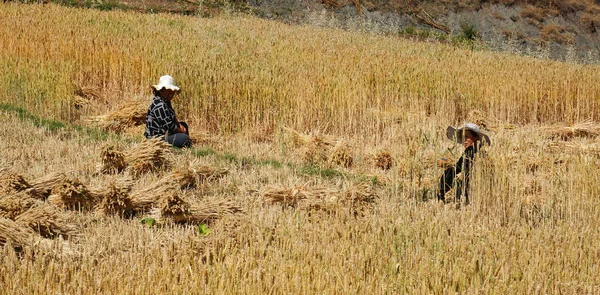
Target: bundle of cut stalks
148, 156
13, 205
300, 139
47, 221
113, 160
341, 155
15, 234
360, 194
177, 210
144, 199
114, 199
314, 153
73, 195
383, 160
12, 182
43, 186
206, 173
87, 92
132, 113
293, 196
20, 237
586, 129
574, 147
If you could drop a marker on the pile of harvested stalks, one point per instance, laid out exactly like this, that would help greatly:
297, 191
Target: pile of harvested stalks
132, 113
13, 205
293, 196
341, 155
320, 197
12, 182
47, 221
15, 234
175, 209
20, 237
73, 195
360, 194
148, 156
383, 160
43, 185
585, 129
113, 160
314, 153
144, 199
300, 139
114, 199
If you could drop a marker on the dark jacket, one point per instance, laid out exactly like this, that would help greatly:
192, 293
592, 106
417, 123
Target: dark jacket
464, 165
160, 118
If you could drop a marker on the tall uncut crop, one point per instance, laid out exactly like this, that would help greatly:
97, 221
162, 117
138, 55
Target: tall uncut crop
238, 71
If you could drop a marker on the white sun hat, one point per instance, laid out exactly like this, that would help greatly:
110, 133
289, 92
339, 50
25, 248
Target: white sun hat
457, 134
167, 82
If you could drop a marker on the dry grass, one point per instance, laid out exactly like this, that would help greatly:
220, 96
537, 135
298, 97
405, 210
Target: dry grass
530, 227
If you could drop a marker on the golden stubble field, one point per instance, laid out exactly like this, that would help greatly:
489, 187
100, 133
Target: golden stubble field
247, 84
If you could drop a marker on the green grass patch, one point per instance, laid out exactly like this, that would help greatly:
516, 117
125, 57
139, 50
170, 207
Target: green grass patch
53, 125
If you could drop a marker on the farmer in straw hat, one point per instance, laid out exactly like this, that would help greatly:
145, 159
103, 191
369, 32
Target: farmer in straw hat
161, 120
473, 139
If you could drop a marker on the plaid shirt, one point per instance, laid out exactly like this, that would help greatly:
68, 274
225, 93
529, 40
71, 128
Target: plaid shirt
160, 118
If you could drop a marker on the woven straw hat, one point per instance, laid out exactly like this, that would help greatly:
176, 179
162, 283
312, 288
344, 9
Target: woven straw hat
167, 82
457, 134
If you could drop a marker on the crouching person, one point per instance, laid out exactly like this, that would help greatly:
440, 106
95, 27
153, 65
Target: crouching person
161, 120
458, 176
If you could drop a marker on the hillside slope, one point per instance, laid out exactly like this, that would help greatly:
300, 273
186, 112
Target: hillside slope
563, 30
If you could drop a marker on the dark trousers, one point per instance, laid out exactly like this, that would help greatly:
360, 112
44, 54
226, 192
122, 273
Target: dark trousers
180, 140
447, 182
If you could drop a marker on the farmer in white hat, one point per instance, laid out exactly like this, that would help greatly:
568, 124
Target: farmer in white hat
161, 120
473, 139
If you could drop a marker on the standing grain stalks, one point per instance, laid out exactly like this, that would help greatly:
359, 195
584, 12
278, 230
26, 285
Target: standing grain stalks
148, 156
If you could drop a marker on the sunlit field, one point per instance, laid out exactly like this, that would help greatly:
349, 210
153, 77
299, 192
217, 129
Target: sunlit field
291, 122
